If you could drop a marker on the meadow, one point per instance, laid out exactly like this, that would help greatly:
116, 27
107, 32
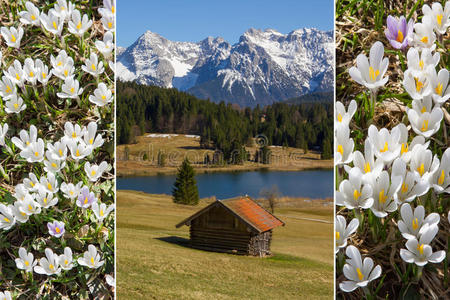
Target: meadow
154, 260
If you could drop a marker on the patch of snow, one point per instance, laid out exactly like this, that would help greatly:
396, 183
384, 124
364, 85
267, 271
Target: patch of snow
192, 136
185, 82
160, 135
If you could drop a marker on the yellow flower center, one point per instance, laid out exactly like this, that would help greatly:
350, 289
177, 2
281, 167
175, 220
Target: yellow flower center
420, 248
27, 142
60, 152
382, 197
71, 192
30, 208
59, 63
54, 25
92, 260
367, 168
54, 165
27, 263
404, 188
338, 235
441, 178
113, 9
49, 186
104, 97
79, 25
424, 125
91, 141
404, 148
93, 173
424, 109
31, 74
17, 76
439, 19
74, 134
66, 261
339, 117
66, 73
6, 220
400, 36
33, 17
439, 89
8, 89
85, 200
45, 200
340, 149
51, 267
109, 24
31, 183
77, 153
13, 38
424, 39
421, 169
356, 195
57, 230
93, 67
421, 64
44, 75
36, 154
415, 224
386, 147
101, 212
373, 73
72, 90
360, 275
419, 84
16, 106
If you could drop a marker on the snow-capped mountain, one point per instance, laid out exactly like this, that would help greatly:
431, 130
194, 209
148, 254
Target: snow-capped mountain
262, 68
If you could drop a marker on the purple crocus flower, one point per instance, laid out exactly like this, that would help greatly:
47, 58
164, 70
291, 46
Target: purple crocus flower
398, 32
56, 228
85, 198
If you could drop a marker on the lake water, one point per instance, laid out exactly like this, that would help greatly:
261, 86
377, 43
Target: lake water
309, 184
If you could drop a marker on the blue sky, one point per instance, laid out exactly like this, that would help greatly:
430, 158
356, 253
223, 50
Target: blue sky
194, 20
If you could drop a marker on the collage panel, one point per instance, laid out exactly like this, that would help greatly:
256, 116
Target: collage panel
392, 155
224, 150
57, 182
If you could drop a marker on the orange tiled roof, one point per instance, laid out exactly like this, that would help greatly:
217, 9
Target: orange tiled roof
252, 213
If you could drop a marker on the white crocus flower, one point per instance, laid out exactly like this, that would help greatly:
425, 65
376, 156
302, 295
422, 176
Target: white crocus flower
64, 9
370, 72
423, 36
12, 36
369, 168
344, 146
112, 66
109, 8
358, 272
14, 105
352, 193
417, 85
439, 86
15, 73
58, 150
31, 183
3, 130
93, 66
18, 213
423, 164
78, 150
343, 232
91, 258
385, 144
440, 180
30, 71
425, 124
106, 46
418, 62
78, 25
6, 295
65, 260
411, 188
423, 105
26, 139
411, 223
20, 192
73, 133
7, 219
45, 199
385, 194
49, 183
52, 22
70, 89
62, 65
102, 95
48, 265
53, 165
94, 172
405, 148
7, 88
110, 280
31, 15
90, 138
29, 206
70, 190
440, 18
419, 251
343, 117
43, 75
25, 261
34, 152
101, 211
108, 22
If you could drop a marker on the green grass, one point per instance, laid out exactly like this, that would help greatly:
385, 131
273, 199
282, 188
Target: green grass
153, 260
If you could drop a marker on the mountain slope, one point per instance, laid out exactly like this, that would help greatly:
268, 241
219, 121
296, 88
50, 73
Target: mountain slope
262, 68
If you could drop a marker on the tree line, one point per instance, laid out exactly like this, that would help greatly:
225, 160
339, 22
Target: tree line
221, 126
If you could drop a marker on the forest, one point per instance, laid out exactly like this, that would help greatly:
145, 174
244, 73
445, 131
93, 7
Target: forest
224, 127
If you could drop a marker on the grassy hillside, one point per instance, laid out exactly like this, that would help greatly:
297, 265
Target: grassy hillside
154, 261
177, 147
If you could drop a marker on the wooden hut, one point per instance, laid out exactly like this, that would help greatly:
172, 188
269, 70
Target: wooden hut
237, 225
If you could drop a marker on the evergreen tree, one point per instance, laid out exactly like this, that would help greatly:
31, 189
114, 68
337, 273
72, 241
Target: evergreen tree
185, 190
326, 150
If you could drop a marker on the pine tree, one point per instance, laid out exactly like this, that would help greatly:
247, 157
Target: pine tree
185, 190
